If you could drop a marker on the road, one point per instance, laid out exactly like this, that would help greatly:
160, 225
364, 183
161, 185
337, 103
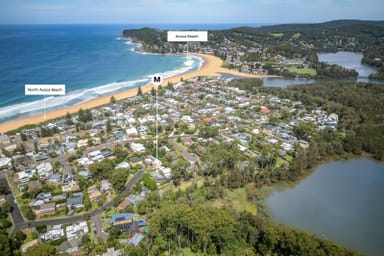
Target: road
188, 156
16, 214
28, 224
99, 232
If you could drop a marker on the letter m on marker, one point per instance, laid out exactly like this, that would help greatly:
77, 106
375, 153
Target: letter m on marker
156, 79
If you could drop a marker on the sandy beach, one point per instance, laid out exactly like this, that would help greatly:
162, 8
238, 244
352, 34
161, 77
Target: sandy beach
211, 67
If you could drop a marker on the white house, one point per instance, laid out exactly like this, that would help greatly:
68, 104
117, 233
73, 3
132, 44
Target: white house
137, 147
131, 132
76, 230
44, 169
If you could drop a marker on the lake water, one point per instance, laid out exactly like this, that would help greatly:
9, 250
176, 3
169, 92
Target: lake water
344, 59
351, 60
341, 201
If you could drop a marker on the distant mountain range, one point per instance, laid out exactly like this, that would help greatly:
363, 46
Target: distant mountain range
334, 24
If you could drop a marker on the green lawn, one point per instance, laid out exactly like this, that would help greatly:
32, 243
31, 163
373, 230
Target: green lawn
279, 161
185, 184
277, 34
296, 35
236, 199
303, 71
31, 235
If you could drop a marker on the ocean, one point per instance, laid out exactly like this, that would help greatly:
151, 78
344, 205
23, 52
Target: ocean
91, 60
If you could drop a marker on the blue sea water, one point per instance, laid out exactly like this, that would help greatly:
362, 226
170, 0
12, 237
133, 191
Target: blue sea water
90, 59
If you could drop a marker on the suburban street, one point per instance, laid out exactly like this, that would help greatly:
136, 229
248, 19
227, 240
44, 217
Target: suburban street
16, 214
188, 156
21, 224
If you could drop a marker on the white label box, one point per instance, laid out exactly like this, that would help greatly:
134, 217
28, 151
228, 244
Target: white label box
157, 79
45, 89
187, 36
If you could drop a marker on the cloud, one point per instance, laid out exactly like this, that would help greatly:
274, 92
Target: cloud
187, 11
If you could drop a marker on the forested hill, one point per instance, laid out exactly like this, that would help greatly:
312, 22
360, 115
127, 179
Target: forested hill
335, 24
292, 41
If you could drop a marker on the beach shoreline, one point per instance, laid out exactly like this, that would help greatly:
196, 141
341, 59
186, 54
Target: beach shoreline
212, 66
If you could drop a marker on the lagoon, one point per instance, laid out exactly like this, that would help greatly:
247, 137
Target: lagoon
344, 59
341, 201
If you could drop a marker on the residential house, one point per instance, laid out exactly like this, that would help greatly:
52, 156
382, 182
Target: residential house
75, 200
85, 174
123, 165
134, 199
5, 162
77, 230
40, 156
131, 132
94, 193
46, 197
4, 140
55, 178
44, 209
53, 233
68, 183
136, 239
122, 221
82, 143
44, 169
126, 202
137, 147
24, 176
106, 186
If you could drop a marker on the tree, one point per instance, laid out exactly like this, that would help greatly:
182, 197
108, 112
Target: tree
20, 236
41, 228
85, 239
28, 212
81, 115
304, 130
23, 136
22, 149
153, 91
68, 119
100, 246
119, 178
108, 126
9, 246
149, 182
170, 86
139, 91
112, 100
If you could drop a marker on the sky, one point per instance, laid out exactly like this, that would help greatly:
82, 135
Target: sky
185, 11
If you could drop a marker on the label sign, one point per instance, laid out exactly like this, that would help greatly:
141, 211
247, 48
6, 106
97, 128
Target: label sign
45, 89
187, 36
157, 79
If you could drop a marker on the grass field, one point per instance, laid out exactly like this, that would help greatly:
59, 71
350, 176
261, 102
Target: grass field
296, 36
236, 199
277, 34
185, 184
303, 71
